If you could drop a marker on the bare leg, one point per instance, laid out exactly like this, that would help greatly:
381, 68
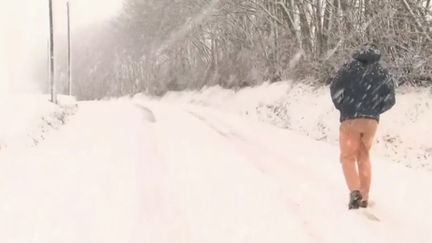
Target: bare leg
349, 145
365, 171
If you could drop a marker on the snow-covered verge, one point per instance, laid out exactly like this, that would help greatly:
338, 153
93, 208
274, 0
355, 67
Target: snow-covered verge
403, 136
26, 119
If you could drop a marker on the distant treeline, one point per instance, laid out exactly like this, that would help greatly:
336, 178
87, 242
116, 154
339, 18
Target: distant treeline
154, 46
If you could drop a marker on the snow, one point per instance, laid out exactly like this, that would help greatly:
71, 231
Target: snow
27, 118
309, 110
161, 170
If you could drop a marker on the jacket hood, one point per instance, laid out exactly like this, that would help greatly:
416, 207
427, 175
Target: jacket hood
367, 54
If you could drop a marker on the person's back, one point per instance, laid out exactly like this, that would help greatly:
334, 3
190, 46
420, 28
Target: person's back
363, 88
361, 91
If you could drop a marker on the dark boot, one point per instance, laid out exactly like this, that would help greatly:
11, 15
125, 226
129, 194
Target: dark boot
355, 200
364, 204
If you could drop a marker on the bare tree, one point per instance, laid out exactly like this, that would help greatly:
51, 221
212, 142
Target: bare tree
160, 45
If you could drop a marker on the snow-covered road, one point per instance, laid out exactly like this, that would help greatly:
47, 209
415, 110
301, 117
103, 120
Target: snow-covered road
156, 172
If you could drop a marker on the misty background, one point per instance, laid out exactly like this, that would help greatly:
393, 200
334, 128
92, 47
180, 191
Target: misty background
153, 46
24, 35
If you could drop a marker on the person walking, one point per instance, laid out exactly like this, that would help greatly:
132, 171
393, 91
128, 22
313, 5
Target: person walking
362, 90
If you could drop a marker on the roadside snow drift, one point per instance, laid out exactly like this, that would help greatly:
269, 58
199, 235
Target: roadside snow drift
26, 119
403, 136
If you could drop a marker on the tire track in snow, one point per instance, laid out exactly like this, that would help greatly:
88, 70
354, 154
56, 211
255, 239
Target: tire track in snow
160, 221
246, 146
225, 157
148, 114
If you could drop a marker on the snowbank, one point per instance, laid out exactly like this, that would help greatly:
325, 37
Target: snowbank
403, 135
26, 119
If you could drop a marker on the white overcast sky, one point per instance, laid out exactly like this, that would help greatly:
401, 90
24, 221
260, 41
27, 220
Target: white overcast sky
24, 33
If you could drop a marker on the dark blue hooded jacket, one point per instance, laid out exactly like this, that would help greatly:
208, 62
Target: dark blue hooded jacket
363, 88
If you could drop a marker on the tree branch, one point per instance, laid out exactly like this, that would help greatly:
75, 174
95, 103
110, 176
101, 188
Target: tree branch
417, 22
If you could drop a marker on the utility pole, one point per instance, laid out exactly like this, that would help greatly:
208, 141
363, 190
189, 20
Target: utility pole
48, 58
52, 84
69, 50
